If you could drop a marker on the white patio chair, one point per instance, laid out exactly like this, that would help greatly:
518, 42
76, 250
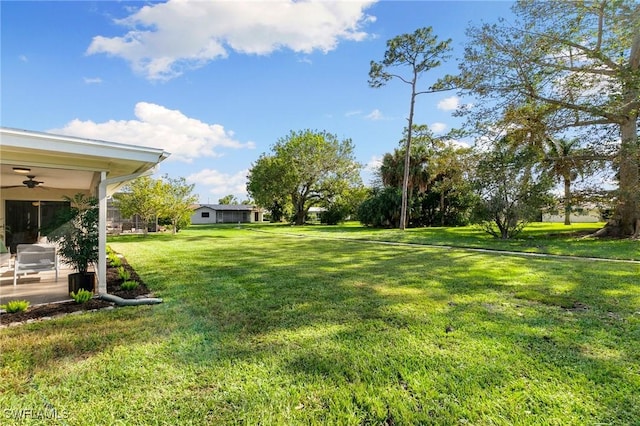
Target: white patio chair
34, 258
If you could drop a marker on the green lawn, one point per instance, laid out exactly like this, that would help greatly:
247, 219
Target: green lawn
270, 328
548, 238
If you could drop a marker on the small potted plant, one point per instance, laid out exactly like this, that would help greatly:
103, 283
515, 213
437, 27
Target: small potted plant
76, 235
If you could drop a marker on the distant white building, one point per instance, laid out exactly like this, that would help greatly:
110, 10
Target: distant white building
314, 213
578, 215
226, 213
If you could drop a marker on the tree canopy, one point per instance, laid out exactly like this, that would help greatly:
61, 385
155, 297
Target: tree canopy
176, 201
511, 191
140, 197
438, 188
228, 200
167, 198
306, 168
562, 68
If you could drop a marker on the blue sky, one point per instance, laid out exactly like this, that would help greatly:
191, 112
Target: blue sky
217, 83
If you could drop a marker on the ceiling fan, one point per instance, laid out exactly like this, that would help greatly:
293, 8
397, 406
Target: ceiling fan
29, 183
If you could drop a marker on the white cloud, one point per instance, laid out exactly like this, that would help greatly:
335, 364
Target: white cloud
165, 39
374, 115
23, 58
456, 143
374, 164
159, 127
94, 80
438, 127
486, 141
449, 104
221, 184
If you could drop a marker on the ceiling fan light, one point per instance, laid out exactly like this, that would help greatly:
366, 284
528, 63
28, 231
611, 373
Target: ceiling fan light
23, 170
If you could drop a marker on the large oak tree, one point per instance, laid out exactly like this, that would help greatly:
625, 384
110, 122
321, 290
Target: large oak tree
579, 63
307, 168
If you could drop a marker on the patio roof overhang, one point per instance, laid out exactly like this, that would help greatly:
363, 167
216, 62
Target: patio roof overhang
61, 154
68, 164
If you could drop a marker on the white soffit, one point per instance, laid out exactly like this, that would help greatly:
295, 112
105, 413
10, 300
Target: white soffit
35, 149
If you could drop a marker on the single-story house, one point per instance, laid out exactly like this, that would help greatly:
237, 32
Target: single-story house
314, 213
37, 170
225, 213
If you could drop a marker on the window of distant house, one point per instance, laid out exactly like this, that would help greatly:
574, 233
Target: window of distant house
205, 214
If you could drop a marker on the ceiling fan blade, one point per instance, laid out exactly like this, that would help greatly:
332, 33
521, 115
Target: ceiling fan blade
46, 188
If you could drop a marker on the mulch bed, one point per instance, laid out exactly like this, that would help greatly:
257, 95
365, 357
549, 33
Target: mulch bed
56, 309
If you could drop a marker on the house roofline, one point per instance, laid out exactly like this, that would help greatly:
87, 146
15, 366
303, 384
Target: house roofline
74, 144
243, 207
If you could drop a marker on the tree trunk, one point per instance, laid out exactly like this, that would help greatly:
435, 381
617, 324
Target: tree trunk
503, 227
442, 207
567, 200
301, 213
404, 219
298, 208
626, 220
628, 209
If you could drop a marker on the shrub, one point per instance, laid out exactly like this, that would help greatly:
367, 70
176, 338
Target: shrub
114, 260
124, 274
14, 306
336, 213
82, 296
129, 285
511, 190
382, 208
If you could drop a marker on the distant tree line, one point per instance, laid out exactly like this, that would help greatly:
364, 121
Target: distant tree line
556, 97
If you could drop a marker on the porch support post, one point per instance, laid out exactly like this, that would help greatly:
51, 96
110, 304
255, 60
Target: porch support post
102, 234
102, 226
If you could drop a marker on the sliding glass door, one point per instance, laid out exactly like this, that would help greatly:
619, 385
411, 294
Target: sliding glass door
24, 219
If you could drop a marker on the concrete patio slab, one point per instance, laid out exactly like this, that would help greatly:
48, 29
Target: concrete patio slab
35, 288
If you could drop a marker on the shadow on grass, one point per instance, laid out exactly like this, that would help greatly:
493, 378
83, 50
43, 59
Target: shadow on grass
49, 345
422, 330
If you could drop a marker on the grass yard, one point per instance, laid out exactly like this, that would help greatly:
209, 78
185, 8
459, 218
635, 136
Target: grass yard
269, 328
547, 238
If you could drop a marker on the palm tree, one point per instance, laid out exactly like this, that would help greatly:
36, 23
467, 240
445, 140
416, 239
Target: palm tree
563, 161
392, 171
